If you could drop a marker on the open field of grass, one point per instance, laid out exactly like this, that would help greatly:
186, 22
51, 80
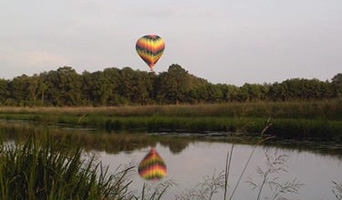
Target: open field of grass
300, 120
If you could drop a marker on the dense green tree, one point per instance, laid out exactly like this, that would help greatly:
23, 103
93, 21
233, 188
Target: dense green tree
230, 92
4, 92
63, 87
126, 88
215, 95
142, 88
96, 89
113, 86
19, 90
112, 76
264, 89
198, 95
337, 84
33, 90
277, 92
250, 92
52, 95
69, 85
174, 85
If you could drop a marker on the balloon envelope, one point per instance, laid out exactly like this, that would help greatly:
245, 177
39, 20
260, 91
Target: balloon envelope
152, 167
150, 48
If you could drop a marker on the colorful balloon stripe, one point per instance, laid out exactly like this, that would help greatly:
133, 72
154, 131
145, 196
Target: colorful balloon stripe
156, 170
150, 48
151, 162
152, 167
154, 50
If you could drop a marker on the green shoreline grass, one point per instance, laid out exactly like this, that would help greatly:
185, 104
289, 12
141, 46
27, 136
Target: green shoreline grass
329, 109
43, 166
296, 120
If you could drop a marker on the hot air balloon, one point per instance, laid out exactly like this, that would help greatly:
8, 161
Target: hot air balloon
150, 48
152, 167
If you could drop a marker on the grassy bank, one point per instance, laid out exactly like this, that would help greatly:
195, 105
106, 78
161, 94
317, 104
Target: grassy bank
44, 167
329, 109
300, 120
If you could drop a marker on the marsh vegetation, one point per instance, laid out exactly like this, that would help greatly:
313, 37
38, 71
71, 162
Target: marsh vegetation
292, 120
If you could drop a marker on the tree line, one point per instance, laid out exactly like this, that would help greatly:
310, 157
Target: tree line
113, 86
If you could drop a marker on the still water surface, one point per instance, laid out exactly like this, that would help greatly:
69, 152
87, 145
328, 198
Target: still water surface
189, 160
188, 167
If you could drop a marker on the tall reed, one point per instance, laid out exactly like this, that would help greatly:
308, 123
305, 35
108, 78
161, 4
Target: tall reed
327, 109
45, 168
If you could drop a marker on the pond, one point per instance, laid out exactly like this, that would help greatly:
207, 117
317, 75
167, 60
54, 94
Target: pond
199, 159
309, 167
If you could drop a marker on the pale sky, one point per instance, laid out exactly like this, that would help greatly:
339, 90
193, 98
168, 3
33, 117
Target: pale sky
223, 41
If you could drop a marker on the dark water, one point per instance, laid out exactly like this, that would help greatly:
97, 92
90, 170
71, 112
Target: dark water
189, 160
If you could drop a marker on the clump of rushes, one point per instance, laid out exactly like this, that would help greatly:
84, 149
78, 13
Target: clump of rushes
49, 170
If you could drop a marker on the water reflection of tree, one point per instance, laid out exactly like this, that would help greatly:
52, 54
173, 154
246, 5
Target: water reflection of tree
100, 141
116, 142
176, 145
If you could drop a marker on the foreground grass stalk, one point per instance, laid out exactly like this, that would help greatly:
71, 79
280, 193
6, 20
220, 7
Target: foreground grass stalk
262, 140
49, 170
228, 164
43, 166
243, 172
274, 166
337, 190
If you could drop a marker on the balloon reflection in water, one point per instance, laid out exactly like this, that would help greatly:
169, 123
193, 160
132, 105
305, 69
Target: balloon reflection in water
152, 167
